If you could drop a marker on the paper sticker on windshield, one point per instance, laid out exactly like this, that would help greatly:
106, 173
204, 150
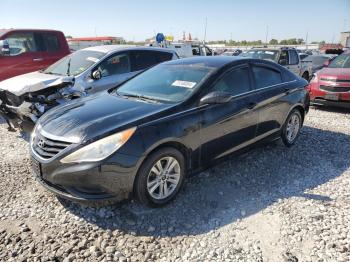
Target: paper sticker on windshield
186, 84
93, 59
269, 53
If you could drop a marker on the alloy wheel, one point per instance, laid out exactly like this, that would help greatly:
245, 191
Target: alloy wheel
293, 127
163, 178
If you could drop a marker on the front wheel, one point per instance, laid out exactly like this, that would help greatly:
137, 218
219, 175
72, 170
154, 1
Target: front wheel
160, 177
291, 128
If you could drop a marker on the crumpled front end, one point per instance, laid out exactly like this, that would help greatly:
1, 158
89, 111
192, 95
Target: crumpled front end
26, 109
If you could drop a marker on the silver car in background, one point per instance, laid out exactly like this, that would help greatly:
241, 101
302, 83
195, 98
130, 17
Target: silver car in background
26, 97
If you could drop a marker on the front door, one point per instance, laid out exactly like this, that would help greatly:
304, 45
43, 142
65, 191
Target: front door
115, 69
21, 59
230, 126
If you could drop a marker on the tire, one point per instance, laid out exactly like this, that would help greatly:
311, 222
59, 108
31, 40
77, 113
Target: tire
288, 138
148, 179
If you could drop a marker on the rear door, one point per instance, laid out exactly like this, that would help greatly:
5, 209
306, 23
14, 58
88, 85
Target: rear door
230, 126
269, 96
49, 49
21, 59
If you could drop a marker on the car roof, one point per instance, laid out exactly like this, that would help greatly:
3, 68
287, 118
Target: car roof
207, 61
112, 48
4, 31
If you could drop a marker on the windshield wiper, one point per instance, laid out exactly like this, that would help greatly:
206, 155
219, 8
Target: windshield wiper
139, 97
68, 67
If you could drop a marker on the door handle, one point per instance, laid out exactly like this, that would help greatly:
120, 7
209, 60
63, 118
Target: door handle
251, 105
37, 59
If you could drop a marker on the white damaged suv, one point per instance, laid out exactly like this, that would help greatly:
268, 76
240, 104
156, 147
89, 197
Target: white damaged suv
24, 98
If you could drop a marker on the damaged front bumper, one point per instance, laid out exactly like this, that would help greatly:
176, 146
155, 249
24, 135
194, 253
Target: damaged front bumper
17, 112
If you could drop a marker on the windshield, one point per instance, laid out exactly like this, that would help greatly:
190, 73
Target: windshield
75, 63
342, 61
167, 83
262, 54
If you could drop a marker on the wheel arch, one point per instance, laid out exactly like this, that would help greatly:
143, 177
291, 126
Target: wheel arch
301, 110
173, 143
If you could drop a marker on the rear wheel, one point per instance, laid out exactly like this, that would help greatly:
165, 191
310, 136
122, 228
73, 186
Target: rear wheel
291, 128
160, 177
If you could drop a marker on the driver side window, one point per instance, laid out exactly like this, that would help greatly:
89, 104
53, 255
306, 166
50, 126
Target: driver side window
115, 65
20, 43
235, 82
284, 58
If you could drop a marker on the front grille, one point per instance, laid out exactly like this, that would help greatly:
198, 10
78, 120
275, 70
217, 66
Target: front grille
48, 148
335, 88
335, 80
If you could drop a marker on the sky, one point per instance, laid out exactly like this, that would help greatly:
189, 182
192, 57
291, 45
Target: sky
136, 20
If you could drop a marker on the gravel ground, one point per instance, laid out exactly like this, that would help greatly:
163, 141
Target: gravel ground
270, 204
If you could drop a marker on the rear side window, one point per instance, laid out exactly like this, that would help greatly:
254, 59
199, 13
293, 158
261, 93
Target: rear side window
293, 60
47, 42
284, 58
265, 76
164, 56
141, 60
235, 82
51, 42
20, 43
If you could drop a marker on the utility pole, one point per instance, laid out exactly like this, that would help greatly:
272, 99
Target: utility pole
205, 29
344, 25
267, 33
307, 34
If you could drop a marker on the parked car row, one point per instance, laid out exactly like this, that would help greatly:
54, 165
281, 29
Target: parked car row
287, 57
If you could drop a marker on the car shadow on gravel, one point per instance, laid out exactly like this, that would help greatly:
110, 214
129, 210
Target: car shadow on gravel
332, 109
239, 187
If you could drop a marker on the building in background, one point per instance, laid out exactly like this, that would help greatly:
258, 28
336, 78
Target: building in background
345, 39
83, 42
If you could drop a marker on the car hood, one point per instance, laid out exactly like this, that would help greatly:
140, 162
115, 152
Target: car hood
26, 83
96, 115
343, 73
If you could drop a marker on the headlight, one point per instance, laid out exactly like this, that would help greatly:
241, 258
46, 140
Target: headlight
100, 149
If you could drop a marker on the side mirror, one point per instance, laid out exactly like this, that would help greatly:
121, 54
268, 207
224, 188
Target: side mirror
282, 61
4, 48
216, 97
96, 75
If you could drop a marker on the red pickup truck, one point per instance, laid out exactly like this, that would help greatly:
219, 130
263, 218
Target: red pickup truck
27, 50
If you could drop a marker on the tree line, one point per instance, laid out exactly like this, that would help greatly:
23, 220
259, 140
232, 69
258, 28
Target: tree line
291, 41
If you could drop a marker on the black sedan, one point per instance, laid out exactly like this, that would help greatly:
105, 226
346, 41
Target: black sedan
145, 136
